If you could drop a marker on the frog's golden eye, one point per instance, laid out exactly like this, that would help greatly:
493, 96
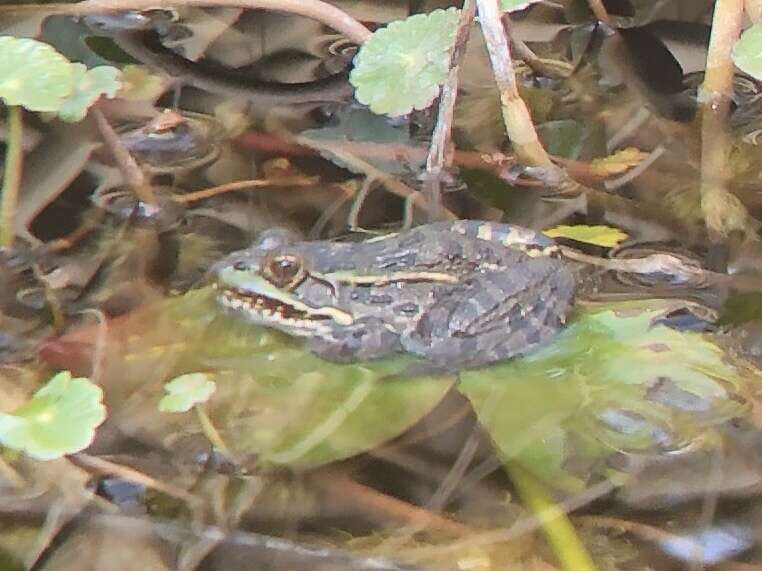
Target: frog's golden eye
284, 270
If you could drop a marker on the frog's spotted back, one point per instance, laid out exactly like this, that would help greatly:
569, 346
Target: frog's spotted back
533, 244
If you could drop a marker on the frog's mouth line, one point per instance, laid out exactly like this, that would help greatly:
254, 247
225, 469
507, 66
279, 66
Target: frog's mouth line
263, 302
268, 310
265, 308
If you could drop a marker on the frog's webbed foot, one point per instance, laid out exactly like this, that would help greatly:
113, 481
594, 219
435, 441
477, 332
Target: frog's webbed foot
364, 339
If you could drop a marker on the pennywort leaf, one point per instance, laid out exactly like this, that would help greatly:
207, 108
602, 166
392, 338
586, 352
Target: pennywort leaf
59, 419
401, 67
89, 85
186, 391
747, 54
41, 82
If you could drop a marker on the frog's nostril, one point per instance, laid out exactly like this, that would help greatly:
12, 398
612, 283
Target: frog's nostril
241, 266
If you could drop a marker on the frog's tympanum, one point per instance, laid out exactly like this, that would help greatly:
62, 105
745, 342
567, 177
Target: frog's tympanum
456, 294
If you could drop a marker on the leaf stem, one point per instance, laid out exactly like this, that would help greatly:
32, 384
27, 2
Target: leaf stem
516, 116
211, 433
721, 212
440, 151
559, 531
14, 161
131, 171
438, 158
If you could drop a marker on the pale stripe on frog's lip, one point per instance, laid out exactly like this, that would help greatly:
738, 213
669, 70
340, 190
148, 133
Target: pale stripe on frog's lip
268, 312
247, 285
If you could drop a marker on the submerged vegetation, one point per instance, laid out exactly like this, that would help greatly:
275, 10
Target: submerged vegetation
144, 142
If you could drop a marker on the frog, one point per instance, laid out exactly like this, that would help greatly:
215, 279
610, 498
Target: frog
454, 295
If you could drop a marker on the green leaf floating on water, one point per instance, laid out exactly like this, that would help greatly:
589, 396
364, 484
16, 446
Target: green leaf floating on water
614, 380
401, 66
278, 401
89, 85
33, 74
273, 399
59, 419
185, 391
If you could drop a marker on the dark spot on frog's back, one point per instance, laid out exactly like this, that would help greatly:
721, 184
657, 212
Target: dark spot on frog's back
406, 309
380, 299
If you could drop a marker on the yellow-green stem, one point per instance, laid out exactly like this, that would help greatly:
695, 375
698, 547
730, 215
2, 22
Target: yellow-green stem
211, 433
14, 160
722, 211
559, 531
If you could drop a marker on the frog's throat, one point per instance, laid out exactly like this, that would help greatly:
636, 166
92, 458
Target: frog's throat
250, 293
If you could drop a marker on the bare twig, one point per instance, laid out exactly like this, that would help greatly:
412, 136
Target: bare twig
548, 68
102, 466
315, 9
518, 121
388, 506
440, 153
720, 210
653, 264
599, 10
391, 183
438, 158
133, 174
244, 185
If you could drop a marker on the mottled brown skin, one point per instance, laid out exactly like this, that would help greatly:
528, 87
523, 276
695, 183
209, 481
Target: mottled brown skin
456, 294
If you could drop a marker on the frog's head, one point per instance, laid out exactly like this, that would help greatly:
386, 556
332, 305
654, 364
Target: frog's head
271, 284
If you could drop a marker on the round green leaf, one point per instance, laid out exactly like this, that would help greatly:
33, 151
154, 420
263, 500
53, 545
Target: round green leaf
33, 74
613, 381
186, 391
401, 67
747, 53
274, 399
59, 419
89, 85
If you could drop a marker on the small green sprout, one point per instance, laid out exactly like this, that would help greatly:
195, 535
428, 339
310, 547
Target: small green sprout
186, 391
189, 391
59, 419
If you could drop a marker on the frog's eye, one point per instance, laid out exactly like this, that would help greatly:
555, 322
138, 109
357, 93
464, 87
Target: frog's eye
284, 271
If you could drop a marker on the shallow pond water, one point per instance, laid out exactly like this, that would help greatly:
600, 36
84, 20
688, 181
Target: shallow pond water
637, 420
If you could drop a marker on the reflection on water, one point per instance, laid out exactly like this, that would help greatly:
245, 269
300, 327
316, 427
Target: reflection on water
642, 415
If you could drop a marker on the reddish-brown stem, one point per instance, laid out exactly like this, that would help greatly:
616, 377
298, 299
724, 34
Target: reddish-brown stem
243, 185
133, 174
440, 152
314, 9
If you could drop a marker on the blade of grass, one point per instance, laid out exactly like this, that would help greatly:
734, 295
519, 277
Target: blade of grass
559, 531
14, 160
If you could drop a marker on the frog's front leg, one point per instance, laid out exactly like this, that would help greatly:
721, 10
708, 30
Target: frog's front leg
494, 315
368, 338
